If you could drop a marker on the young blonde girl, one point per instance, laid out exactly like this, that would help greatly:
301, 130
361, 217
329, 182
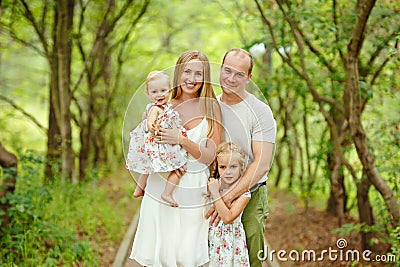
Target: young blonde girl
227, 240
145, 154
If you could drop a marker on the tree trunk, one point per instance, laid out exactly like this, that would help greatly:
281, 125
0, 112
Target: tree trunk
53, 162
63, 46
335, 164
9, 162
292, 162
291, 144
338, 191
85, 150
333, 202
100, 156
278, 161
284, 140
353, 107
360, 141
307, 144
364, 210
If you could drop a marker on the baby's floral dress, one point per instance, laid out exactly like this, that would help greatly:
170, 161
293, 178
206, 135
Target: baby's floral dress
227, 243
145, 155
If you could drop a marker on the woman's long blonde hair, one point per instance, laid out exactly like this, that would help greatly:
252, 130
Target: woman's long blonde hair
206, 92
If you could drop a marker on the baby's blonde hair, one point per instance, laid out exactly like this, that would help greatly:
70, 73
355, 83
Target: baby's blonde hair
224, 149
157, 74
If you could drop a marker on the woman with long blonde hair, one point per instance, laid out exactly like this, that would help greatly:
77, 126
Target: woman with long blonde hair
168, 236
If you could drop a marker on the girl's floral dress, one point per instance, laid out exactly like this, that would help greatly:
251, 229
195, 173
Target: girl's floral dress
227, 243
145, 155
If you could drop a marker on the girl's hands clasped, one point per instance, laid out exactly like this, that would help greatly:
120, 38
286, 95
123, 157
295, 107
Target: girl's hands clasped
214, 187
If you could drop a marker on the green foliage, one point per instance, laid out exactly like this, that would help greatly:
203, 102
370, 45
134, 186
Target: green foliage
34, 238
384, 137
56, 224
394, 237
349, 228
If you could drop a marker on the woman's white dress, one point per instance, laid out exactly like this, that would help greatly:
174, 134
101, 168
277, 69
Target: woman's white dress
168, 236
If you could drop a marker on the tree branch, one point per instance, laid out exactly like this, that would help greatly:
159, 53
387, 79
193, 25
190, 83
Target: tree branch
331, 101
288, 60
314, 93
42, 20
29, 16
14, 36
26, 114
349, 168
382, 46
337, 33
357, 38
234, 19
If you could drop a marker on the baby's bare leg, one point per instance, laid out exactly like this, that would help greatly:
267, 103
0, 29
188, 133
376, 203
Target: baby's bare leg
172, 182
140, 185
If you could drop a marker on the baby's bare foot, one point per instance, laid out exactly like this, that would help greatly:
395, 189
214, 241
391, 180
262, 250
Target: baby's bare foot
169, 199
139, 192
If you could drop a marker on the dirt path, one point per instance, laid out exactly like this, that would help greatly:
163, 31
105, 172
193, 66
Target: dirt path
292, 229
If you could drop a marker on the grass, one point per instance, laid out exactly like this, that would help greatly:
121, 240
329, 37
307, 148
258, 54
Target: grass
64, 224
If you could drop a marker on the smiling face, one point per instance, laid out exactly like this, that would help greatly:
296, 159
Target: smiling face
192, 77
234, 73
158, 90
229, 169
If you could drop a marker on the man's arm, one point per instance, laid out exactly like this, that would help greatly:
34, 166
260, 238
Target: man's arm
263, 152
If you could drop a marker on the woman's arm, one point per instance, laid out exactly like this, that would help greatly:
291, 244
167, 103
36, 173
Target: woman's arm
204, 154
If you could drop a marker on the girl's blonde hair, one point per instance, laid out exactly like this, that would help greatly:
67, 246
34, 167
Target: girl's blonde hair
206, 92
228, 148
155, 75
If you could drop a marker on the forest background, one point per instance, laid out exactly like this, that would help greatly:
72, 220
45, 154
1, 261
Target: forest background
70, 70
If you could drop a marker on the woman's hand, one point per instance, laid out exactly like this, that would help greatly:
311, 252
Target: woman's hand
168, 136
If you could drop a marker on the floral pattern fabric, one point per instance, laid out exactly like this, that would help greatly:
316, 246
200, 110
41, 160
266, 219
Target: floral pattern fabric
227, 244
146, 156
